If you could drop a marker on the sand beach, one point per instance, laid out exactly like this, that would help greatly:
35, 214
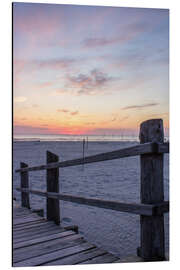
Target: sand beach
114, 180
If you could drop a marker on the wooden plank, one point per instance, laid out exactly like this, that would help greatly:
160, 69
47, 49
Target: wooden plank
35, 231
27, 225
78, 258
30, 231
125, 152
49, 241
52, 182
39, 260
24, 184
134, 208
25, 217
106, 258
152, 192
20, 215
42, 239
46, 226
28, 219
46, 247
39, 234
19, 211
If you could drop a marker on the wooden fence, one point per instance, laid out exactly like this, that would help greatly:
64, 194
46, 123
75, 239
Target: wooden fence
152, 207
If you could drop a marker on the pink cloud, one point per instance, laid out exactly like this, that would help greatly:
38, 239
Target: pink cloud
74, 113
26, 129
129, 32
55, 63
89, 83
63, 110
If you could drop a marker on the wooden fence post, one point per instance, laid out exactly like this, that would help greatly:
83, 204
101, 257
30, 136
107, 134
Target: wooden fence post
152, 192
24, 184
52, 180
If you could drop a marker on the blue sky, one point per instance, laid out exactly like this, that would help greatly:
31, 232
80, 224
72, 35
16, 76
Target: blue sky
87, 69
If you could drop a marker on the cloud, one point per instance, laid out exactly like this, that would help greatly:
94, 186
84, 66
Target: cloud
89, 84
98, 42
63, 110
27, 129
68, 112
55, 63
74, 113
140, 106
20, 99
20, 66
129, 32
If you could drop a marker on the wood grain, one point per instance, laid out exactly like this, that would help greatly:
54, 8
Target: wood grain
52, 182
152, 192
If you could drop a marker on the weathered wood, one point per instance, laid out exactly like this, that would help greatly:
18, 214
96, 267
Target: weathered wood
27, 226
35, 235
31, 231
25, 216
152, 192
134, 208
52, 181
74, 228
39, 260
21, 212
24, 184
22, 231
163, 148
31, 222
41, 239
28, 219
161, 208
36, 225
34, 246
47, 247
122, 153
79, 257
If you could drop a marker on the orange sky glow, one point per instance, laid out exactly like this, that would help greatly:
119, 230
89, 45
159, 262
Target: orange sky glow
74, 77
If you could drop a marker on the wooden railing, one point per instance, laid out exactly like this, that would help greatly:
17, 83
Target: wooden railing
152, 207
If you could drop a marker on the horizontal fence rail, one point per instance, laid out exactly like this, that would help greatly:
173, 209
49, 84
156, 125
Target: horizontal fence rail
146, 148
152, 207
134, 208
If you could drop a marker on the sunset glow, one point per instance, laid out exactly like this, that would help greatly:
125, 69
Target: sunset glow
89, 70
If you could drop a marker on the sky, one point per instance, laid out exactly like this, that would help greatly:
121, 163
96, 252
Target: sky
89, 69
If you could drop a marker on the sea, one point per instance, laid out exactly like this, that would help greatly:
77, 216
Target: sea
62, 137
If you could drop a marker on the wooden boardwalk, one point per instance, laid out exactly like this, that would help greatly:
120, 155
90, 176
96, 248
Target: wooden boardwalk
37, 241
